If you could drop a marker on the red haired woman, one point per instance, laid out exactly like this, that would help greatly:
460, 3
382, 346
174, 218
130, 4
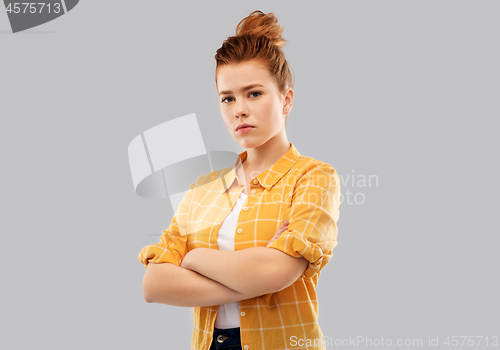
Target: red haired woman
246, 246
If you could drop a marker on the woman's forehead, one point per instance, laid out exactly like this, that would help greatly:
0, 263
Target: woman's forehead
236, 76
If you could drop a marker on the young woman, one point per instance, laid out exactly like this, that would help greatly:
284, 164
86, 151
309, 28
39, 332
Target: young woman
246, 246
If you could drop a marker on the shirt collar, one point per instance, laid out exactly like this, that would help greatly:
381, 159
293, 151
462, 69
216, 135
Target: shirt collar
269, 177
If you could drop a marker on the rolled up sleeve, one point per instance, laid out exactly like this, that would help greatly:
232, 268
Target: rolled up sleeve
313, 215
173, 242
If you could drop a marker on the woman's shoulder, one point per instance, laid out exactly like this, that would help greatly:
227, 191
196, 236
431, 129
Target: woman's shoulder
309, 170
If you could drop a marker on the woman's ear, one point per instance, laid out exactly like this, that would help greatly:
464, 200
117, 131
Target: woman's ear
286, 110
288, 101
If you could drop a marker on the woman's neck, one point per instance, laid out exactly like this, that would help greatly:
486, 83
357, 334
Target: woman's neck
264, 157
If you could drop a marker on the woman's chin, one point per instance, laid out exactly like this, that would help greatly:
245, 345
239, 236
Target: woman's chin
247, 143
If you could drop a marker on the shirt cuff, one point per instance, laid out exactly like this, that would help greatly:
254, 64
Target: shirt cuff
157, 254
293, 244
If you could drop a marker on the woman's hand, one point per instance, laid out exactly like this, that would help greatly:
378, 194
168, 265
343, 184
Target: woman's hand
282, 228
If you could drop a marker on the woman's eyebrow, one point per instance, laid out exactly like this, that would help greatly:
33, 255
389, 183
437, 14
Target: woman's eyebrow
248, 87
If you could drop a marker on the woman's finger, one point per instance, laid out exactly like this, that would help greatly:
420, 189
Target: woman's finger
281, 229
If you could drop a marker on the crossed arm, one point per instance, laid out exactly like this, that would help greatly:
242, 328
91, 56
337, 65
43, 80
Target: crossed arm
257, 270
213, 277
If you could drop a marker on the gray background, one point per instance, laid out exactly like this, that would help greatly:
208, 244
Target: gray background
407, 91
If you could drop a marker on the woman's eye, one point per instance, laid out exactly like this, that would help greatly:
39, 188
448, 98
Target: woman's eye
225, 99
255, 92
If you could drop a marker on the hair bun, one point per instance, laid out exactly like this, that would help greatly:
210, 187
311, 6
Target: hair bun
258, 23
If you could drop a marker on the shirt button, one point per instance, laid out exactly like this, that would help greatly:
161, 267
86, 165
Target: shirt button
245, 347
246, 208
240, 230
243, 313
255, 181
253, 191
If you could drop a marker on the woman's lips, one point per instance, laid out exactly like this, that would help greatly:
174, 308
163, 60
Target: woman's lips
245, 129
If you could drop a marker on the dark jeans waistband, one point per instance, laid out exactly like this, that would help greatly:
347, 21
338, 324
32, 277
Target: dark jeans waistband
227, 339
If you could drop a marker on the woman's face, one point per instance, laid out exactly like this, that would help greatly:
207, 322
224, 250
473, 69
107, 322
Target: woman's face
248, 94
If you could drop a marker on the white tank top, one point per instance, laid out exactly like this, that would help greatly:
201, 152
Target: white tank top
229, 314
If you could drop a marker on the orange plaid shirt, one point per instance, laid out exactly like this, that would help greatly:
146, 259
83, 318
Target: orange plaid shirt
300, 189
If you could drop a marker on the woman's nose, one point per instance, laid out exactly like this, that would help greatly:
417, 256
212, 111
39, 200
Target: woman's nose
240, 110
